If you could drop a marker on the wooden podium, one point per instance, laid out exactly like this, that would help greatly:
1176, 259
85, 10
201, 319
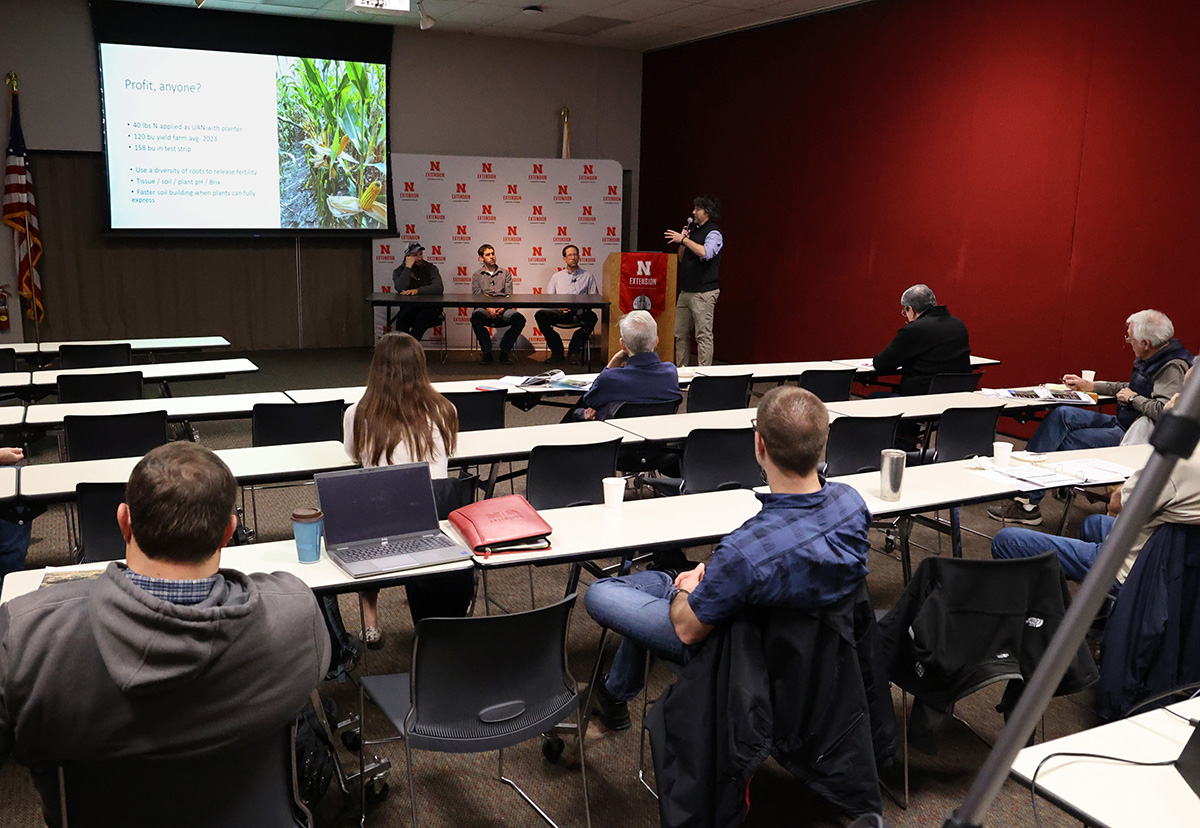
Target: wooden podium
664, 315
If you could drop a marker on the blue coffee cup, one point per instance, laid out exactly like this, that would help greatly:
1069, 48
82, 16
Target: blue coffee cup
307, 526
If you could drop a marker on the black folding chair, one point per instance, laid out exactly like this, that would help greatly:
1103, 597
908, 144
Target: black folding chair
830, 385
479, 410
95, 356
570, 475
856, 442
954, 383
962, 433
251, 784
279, 424
80, 388
99, 437
561, 476
648, 455
719, 393
100, 536
484, 683
714, 459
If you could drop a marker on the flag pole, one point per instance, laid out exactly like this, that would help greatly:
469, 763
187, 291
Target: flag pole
10, 79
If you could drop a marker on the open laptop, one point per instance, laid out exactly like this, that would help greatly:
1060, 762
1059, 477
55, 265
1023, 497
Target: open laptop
383, 520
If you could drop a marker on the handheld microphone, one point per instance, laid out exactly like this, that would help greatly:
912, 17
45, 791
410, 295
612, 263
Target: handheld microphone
687, 228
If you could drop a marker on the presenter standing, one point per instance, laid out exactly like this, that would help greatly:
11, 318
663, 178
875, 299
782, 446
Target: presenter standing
415, 277
570, 280
700, 245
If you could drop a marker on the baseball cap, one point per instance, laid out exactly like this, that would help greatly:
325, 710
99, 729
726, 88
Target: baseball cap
413, 248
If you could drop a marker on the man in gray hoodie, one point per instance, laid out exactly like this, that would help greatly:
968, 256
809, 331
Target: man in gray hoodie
165, 655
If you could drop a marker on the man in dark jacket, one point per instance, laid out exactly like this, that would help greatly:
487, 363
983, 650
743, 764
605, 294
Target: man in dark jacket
807, 548
933, 342
417, 277
166, 655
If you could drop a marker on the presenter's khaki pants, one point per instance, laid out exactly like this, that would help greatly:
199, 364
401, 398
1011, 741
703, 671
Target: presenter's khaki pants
695, 309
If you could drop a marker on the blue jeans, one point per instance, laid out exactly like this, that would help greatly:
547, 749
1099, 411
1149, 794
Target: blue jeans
481, 320
1075, 556
637, 606
1069, 427
14, 543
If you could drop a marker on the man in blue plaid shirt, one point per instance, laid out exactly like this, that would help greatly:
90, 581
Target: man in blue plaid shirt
807, 548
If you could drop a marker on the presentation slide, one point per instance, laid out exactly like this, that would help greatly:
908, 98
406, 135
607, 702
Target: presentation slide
200, 140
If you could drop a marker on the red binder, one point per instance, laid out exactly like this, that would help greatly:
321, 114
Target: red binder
501, 524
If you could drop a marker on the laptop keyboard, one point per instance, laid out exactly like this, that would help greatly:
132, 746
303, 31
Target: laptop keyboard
380, 550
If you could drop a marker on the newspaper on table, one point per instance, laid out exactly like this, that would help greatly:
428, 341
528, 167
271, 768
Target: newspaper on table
1030, 472
1045, 393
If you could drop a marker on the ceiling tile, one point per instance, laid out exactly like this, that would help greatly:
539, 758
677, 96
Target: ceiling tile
645, 9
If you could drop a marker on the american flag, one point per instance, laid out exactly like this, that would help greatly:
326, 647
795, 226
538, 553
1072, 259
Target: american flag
20, 214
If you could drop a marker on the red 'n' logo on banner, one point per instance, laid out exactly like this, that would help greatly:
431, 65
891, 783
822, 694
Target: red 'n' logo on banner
410, 186
385, 250
435, 166
643, 278
460, 188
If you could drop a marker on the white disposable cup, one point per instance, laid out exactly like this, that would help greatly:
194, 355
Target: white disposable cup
1088, 376
1001, 453
614, 491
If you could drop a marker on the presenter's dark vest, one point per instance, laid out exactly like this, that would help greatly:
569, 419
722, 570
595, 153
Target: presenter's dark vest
695, 274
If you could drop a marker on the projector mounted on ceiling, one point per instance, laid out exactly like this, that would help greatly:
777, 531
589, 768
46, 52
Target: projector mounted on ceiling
380, 6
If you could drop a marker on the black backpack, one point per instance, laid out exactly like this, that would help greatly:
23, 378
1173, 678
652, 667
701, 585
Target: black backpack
314, 752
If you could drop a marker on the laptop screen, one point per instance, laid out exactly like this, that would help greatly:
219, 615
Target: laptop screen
366, 504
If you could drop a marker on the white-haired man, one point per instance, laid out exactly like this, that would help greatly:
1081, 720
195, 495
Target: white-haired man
635, 374
1160, 362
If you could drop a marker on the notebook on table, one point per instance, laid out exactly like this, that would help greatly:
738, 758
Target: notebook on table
383, 520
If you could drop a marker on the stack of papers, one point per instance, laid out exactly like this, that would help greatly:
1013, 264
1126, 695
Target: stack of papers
1031, 472
1046, 393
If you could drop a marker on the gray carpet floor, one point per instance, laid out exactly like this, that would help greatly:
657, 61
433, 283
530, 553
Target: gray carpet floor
463, 790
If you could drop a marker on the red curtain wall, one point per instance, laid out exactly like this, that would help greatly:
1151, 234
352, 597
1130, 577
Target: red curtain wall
1037, 164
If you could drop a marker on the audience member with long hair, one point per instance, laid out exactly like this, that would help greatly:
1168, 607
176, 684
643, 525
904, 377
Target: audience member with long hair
402, 419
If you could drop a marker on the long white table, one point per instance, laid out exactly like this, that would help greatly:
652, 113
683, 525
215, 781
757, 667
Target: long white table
867, 364
582, 532
671, 427
1116, 794
323, 576
351, 394
203, 407
52, 482
768, 371
515, 443
15, 380
8, 482
927, 406
151, 345
157, 371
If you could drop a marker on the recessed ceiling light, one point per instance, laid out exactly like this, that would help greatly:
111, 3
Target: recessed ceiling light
531, 10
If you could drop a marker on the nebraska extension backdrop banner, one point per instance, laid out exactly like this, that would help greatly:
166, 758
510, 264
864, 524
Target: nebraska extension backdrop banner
527, 208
